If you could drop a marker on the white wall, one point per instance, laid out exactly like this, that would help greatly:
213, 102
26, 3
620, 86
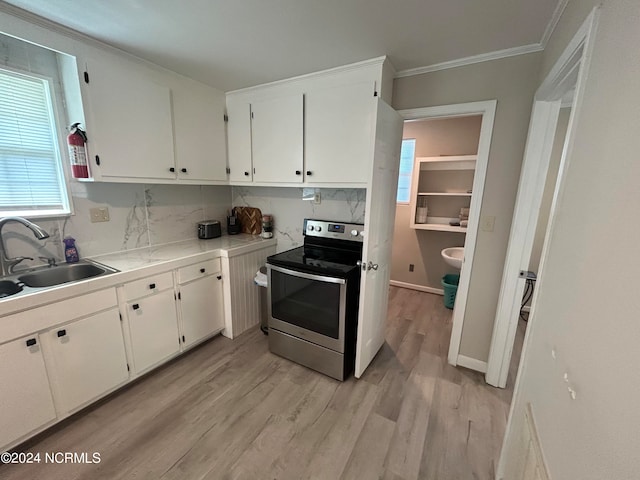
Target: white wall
587, 307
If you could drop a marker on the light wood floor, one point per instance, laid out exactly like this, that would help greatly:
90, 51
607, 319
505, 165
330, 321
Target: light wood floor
232, 410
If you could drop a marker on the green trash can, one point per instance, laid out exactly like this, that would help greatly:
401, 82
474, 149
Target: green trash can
450, 283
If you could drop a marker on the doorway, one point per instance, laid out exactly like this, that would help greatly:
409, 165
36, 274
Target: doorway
446, 211
561, 87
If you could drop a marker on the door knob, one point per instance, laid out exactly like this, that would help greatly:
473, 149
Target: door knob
372, 266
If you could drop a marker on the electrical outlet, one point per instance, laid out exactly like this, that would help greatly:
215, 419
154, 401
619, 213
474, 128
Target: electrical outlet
317, 198
100, 214
411, 267
488, 223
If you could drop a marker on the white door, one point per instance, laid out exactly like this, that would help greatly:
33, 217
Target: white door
276, 139
201, 146
26, 402
129, 125
239, 140
202, 309
379, 221
153, 325
88, 359
338, 123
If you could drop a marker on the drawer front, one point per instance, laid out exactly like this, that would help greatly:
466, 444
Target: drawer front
198, 270
148, 285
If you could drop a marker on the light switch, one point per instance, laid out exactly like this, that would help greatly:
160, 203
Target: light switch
487, 223
100, 214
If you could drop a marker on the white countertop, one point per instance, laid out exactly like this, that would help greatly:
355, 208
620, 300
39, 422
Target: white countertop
138, 263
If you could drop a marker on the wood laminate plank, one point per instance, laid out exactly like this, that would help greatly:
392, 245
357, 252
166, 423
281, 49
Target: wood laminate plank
230, 409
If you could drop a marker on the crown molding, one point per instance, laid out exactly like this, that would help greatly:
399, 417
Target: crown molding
553, 22
461, 62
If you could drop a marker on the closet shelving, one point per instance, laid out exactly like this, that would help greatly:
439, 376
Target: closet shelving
445, 184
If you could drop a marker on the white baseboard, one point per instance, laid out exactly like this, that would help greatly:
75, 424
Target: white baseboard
413, 286
472, 363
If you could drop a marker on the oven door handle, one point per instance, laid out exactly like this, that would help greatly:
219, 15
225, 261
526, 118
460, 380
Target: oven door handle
309, 276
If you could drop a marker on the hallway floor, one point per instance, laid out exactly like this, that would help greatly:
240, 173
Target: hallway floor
231, 409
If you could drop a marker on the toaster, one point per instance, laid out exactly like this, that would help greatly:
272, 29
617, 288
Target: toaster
209, 229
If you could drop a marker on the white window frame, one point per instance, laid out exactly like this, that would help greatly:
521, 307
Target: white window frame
413, 165
59, 139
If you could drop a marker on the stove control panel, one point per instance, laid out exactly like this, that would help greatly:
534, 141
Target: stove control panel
329, 229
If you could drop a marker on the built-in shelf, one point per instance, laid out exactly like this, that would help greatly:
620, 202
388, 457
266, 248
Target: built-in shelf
444, 194
439, 228
432, 176
458, 162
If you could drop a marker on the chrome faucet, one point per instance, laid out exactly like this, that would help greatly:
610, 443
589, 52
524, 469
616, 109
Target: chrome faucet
7, 264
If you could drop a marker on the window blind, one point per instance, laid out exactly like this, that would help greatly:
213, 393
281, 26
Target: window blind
32, 181
407, 156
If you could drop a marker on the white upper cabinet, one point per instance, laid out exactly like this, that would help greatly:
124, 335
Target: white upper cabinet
239, 140
277, 139
316, 130
198, 114
339, 133
129, 122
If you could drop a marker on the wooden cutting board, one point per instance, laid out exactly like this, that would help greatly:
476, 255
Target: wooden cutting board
250, 219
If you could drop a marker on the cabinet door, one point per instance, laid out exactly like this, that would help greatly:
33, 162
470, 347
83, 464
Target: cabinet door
277, 139
153, 325
339, 133
129, 125
25, 403
239, 140
202, 309
201, 149
88, 359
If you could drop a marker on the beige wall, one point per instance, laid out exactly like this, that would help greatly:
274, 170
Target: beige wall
512, 81
454, 136
549, 187
587, 307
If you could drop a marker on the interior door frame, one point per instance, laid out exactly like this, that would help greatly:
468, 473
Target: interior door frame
488, 111
569, 72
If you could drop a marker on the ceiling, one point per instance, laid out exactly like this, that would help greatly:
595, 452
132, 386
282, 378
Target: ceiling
238, 43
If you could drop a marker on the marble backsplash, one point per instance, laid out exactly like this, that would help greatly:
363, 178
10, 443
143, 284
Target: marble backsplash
289, 210
140, 216
146, 215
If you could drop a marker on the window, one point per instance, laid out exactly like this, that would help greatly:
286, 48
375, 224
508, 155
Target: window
32, 181
407, 157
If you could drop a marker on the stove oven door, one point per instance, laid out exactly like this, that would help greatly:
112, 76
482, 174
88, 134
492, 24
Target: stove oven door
308, 306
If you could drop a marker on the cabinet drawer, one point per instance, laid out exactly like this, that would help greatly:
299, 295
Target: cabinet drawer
198, 270
148, 285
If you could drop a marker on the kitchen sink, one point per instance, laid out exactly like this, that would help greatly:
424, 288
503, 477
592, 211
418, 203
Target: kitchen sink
8, 287
71, 272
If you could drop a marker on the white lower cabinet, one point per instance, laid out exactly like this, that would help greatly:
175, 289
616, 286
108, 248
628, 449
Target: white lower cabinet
201, 309
153, 329
86, 359
25, 403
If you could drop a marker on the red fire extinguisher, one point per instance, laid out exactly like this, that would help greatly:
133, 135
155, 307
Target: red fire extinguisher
77, 140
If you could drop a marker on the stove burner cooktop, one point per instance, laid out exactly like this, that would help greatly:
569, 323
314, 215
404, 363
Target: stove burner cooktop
322, 260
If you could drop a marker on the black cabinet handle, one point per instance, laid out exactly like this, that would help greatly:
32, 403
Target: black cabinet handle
219, 277
298, 172
31, 342
246, 174
202, 270
309, 173
152, 286
183, 170
62, 333
172, 169
135, 306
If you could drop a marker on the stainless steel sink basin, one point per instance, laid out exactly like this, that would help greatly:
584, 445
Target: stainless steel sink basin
8, 287
71, 272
